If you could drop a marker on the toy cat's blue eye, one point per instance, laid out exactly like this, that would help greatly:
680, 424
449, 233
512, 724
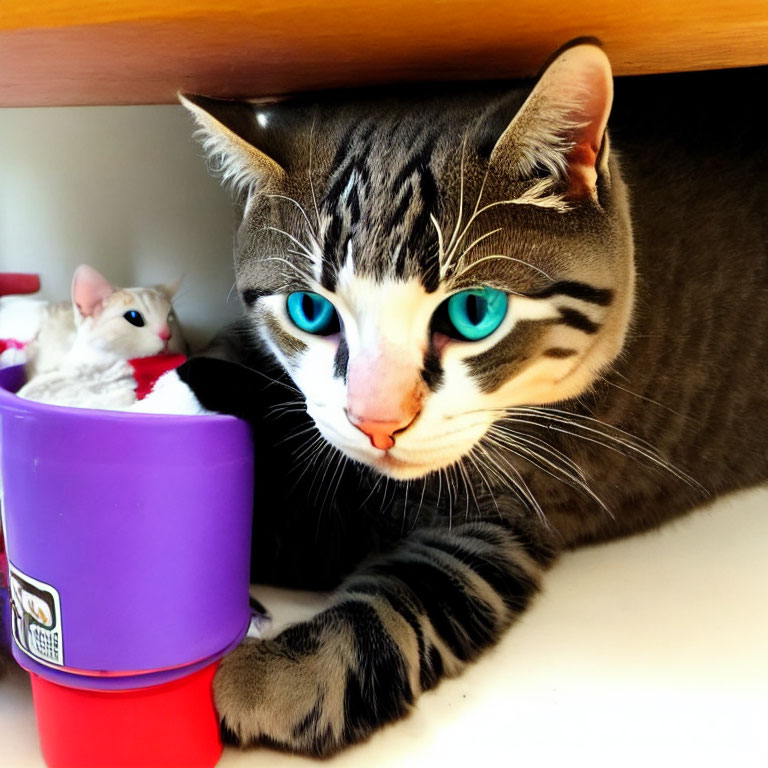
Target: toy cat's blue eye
312, 313
134, 318
473, 314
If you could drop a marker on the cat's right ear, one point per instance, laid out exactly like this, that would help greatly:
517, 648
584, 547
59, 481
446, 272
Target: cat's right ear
90, 289
559, 133
232, 134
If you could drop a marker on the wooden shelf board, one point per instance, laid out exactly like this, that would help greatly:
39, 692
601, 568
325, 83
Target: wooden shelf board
120, 52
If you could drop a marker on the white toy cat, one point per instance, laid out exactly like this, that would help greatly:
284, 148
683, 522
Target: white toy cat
78, 352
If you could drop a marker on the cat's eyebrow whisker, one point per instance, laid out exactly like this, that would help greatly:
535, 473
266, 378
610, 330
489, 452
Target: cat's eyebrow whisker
309, 169
451, 243
477, 242
477, 213
440, 245
299, 206
299, 253
305, 275
303, 248
503, 257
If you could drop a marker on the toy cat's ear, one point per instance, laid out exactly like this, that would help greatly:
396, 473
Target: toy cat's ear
234, 140
171, 289
559, 132
90, 289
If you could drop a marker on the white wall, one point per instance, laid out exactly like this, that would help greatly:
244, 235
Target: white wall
124, 189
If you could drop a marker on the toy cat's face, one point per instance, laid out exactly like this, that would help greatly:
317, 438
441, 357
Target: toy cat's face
419, 266
122, 323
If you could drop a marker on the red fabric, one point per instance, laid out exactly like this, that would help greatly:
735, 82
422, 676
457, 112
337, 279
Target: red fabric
147, 370
11, 344
11, 282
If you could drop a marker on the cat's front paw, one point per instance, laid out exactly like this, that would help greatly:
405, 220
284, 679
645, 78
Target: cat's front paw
314, 688
263, 694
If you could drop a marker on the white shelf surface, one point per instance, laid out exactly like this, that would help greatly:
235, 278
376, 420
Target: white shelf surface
651, 651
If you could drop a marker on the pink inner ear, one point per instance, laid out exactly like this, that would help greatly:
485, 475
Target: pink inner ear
594, 81
90, 289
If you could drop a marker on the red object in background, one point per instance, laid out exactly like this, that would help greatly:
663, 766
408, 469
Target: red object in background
14, 282
165, 726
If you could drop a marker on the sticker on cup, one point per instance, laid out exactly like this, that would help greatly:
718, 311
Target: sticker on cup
36, 618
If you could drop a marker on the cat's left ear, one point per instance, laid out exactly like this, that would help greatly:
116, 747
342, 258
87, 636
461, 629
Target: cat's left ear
236, 142
560, 129
90, 289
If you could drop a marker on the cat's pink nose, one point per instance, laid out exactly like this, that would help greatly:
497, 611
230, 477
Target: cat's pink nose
164, 333
381, 433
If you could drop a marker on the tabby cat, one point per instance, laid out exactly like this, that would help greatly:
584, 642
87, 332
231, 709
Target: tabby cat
462, 354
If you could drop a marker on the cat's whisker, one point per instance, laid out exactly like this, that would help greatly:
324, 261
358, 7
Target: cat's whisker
468, 486
307, 451
551, 412
517, 482
276, 411
331, 454
279, 382
339, 476
305, 251
421, 503
593, 425
309, 169
295, 434
476, 463
647, 399
453, 490
540, 462
405, 507
504, 257
304, 275
477, 242
615, 444
301, 210
540, 445
451, 243
320, 465
440, 245
374, 488
479, 212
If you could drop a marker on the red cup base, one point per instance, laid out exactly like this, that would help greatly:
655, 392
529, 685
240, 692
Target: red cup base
166, 726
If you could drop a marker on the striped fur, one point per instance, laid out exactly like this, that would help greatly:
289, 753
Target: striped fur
603, 404
395, 628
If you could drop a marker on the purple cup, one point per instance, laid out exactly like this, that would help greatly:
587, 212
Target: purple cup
128, 538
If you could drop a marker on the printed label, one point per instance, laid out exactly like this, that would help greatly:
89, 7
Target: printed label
36, 618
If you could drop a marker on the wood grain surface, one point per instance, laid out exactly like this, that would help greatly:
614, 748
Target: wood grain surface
119, 52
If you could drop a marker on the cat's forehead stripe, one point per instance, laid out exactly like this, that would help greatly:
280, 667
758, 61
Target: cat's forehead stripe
397, 243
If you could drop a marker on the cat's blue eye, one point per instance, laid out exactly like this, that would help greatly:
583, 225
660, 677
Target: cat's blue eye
134, 318
312, 313
474, 314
